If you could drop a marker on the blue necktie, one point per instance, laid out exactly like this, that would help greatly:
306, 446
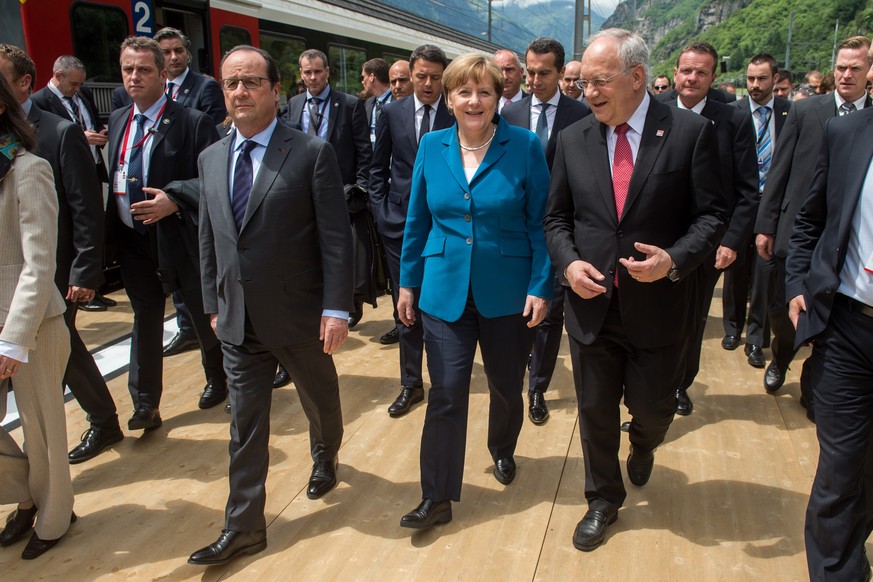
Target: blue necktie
764, 145
135, 170
242, 182
543, 125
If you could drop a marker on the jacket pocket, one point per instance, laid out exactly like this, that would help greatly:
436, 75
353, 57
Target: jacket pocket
434, 246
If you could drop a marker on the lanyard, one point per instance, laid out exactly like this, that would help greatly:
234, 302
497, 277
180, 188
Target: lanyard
146, 134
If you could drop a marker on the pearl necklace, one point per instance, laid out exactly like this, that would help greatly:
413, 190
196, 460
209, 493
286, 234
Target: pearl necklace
484, 145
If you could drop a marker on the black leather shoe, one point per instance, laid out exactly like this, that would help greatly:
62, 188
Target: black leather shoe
504, 470
180, 344
774, 378
36, 547
625, 426
282, 378
323, 478
537, 411
684, 406
357, 315
94, 441
590, 531
756, 355
408, 396
92, 305
730, 342
428, 514
639, 466
229, 546
227, 408
18, 524
392, 337
105, 300
213, 395
144, 419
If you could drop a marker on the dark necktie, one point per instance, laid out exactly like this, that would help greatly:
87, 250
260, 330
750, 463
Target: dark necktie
846, 108
765, 145
242, 182
622, 170
543, 125
135, 170
425, 122
314, 115
170, 86
77, 115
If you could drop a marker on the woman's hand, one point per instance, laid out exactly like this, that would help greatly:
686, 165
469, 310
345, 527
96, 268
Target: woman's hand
405, 312
536, 308
8, 367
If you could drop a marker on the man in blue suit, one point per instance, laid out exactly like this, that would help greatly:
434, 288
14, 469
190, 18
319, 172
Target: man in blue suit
398, 132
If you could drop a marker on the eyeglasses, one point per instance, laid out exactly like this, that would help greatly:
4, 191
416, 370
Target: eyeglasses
598, 83
661, 87
250, 83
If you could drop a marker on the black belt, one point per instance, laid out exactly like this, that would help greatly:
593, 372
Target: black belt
855, 305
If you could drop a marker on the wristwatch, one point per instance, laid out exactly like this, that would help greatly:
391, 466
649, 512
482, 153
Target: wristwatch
673, 273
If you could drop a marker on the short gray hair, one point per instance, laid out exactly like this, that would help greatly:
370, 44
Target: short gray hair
632, 49
65, 63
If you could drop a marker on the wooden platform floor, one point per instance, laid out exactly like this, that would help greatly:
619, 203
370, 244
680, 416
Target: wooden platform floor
726, 500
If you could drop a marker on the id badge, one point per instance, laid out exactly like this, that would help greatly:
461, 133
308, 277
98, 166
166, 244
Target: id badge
119, 184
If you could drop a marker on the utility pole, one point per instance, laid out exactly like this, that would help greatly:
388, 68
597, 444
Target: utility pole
489, 20
788, 45
834, 51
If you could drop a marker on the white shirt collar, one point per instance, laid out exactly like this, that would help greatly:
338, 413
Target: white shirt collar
180, 79
152, 112
419, 104
698, 109
638, 120
753, 105
859, 103
262, 138
553, 101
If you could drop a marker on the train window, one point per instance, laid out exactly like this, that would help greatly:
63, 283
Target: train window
286, 50
345, 68
231, 36
98, 32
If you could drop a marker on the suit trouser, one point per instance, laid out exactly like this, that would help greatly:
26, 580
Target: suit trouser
547, 342
607, 370
763, 287
839, 517
451, 347
707, 278
411, 338
85, 380
250, 370
782, 345
735, 291
183, 317
43, 475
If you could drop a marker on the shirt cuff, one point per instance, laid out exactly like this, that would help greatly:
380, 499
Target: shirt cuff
14, 351
335, 313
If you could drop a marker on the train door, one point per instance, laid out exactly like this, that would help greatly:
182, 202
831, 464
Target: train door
192, 18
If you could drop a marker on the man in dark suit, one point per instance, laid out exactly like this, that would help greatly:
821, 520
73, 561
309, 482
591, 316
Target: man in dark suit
570, 80
398, 78
788, 182
544, 59
508, 63
268, 304
202, 93
829, 278
153, 148
767, 115
377, 91
80, 247
635, 205
398, 132
693, 75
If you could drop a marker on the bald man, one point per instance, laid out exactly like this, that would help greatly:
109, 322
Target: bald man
572, 72
400, 80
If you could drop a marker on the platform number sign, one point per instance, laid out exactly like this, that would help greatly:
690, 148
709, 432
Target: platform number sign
143, 18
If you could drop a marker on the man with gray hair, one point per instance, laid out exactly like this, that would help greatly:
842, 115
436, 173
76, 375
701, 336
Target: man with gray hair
630, 267
508, 63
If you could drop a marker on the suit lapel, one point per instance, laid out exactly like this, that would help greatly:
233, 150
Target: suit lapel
160, 130
655, 133
494, 153
295, 112
274, 159
443, 119
185, 89
409, 117
223, 194
334, 113
451, 154
598, 155
861, 153
117, 126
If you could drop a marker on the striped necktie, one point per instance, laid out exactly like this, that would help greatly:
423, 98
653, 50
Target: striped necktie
764, 145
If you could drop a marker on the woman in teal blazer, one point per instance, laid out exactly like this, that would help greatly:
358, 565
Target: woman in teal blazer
475, 254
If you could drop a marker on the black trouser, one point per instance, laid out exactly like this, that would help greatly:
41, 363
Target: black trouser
547, 342
411, 338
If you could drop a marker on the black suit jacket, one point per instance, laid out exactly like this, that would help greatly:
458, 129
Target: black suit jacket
181, 134
780, 113
198, 92
675, 201
569, 111
820, 238
347, 131
296, 204
80, 199
46, 100
739, 167
393, 159
791, 172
